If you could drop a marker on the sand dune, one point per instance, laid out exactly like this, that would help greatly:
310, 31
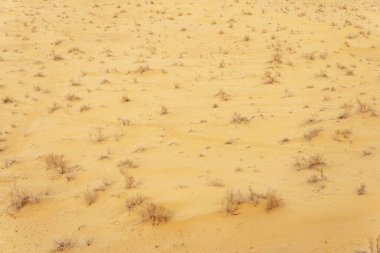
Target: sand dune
189, 126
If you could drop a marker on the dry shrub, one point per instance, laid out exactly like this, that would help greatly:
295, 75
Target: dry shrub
164, 110
317, 178
215, 182
127, 163
62, 245
364, 107
361, 190
129, 179
254, 197
341, 135
269, 78
134, 201
155, 214
315, 161
57, 163
72, 97
125, 99
312, 133
19, 199
273, 200
231, 202
90, 197
374, 247
238, 119
223, 95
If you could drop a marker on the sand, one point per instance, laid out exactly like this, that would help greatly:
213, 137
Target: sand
192, 101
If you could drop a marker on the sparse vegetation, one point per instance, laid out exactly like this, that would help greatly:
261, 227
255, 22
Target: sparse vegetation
132, 202
155, 214
316, 161
19, 199
128, 178
57, 163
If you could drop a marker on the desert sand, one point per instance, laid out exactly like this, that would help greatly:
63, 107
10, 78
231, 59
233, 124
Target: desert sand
189, 126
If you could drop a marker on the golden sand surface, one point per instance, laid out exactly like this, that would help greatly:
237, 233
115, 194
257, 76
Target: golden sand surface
189, 126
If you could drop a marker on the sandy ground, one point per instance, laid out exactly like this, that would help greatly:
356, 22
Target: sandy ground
193, 100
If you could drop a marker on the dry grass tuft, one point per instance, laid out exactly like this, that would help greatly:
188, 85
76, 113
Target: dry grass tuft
231, 202
361, 189
223, 95
62, 245
19, 199
273, 200
127, 163
90, 197
129, 179
155, 214
134, 201
317, 178
238, 119
364, 107
315, 161
312, 133
57, 163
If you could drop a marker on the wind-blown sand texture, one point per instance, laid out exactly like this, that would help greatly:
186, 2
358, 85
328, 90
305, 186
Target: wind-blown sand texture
189, 126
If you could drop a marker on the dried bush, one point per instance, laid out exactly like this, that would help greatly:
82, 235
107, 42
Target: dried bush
62, 245
57, 163
127, 163
315, 161
238, 119
155, 214
273, 200
231, 202
129, 179
312, 133
90, 197
19, 199
134, 201
364, 107
361, 190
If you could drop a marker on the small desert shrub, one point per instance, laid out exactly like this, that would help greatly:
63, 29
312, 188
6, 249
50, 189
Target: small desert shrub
7, 100
269, 78
341, 135
125, 99
53, 108
99, 136
311, 120
254, 197
72, 97
62, 245
364, 107
127, 163
223, 95
129, 179
164, 110
273, 200
57, 163
19, 199
317, 178
84, 108
155, 214
134, 201
90, 197
57, 58
315, 161
231, 202
215, 182
361, 190
311, 134
238, 119
374, 247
